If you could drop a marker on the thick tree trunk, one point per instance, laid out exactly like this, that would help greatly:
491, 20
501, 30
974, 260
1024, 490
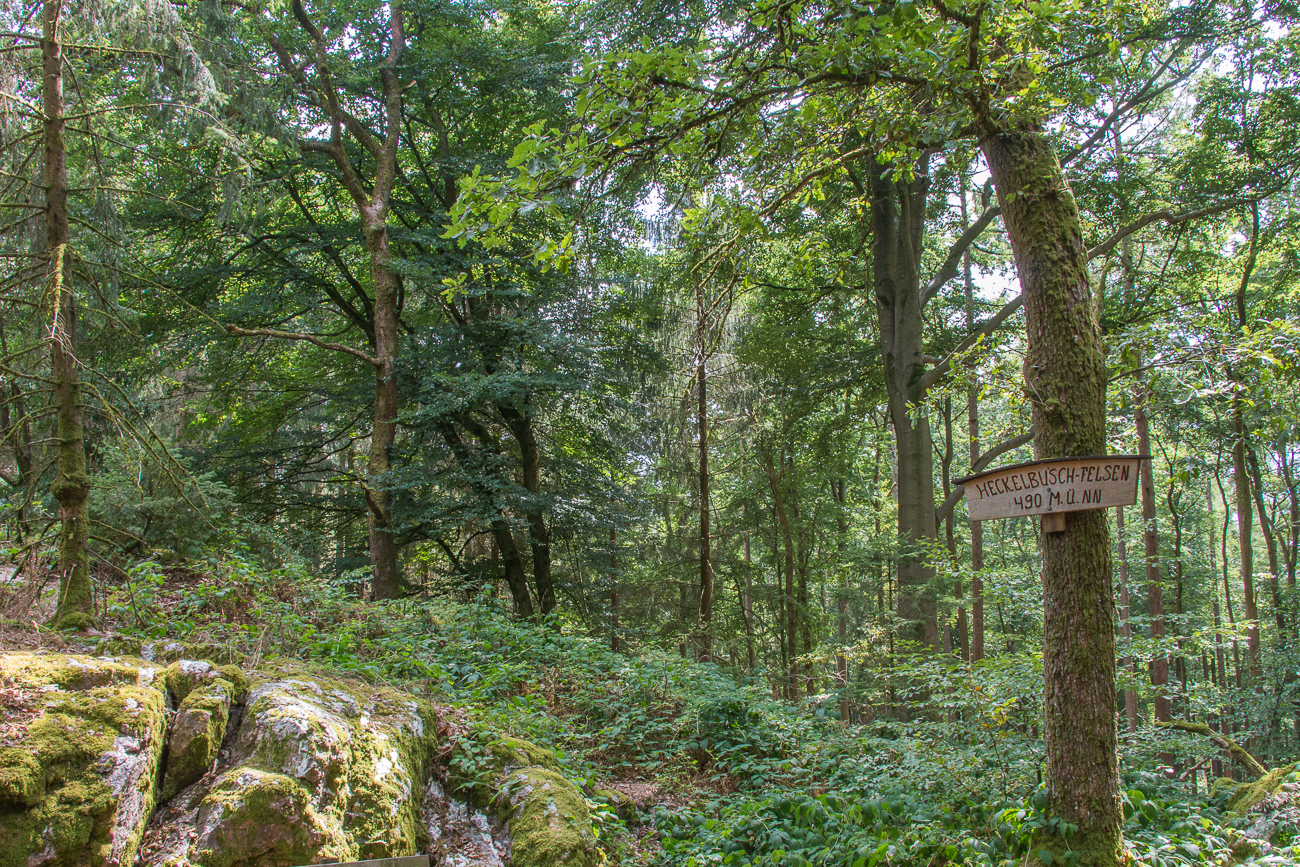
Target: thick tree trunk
386, 579
898, 220
1065, 372
71, 483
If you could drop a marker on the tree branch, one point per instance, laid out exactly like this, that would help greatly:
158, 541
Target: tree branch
932, 376
297, 335
983, 461
1169, 218
948, 269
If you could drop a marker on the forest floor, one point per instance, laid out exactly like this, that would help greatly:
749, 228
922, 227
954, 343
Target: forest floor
718, 771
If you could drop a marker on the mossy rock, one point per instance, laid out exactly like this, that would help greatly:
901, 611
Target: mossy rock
1248, 794
356, 755
22, 782
196, 735
496, 756
549, 823
622, 804
79, 787
186, 675
164, 652
253, 817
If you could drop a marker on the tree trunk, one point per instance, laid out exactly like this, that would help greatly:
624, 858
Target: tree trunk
1065, 372
386, 580
71, 483
613, 591
787, 538
898, 220
1240, 472
705, 624
973, 432
1125, 626
521, 426
1151, 552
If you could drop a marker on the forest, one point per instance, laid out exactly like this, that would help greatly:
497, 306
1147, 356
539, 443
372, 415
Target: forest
610, 371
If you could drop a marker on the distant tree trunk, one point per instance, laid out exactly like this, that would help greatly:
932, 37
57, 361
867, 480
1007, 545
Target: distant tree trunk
973, 432
747, 599
1065, 371
1125, 625
613, 591
1240, 475
839, 490
706, 542
787, 538
1270, 543
71, 482
1151, 551
1172, 498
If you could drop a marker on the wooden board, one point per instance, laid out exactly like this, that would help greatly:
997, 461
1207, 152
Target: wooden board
404, 861
1053, 486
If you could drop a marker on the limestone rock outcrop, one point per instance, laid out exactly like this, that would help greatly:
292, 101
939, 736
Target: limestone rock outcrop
285, 766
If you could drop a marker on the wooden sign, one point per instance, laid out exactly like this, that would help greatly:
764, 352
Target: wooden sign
403, 861
1052, 488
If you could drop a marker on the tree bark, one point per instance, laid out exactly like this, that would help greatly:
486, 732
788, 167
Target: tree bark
1066, 377
1125, 626
791, 612
705, 624
71, 483
1151, 552
898, 220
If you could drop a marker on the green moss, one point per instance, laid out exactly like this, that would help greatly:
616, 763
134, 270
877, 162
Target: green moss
22, 782
197, 734
623, 805
237, 678
517, 753
1249, 794
54, 797
253, 816
36, 670
74, 621
549, 820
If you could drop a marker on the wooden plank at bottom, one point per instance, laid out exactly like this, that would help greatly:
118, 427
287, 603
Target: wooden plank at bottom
404, 861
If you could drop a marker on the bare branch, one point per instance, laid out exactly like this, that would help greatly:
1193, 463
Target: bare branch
1171, 219
309, 338
984, 460
932, 376
948, 269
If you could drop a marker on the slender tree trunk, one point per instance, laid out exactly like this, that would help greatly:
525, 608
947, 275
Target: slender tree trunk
706, 541
1241, 478
787, 538
1270, 543
973, 432
1151, 553
71, 483
840, 491
1125, 626
1065, 371
613, 591
521, 425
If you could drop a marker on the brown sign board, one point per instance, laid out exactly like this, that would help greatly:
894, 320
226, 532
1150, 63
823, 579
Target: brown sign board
1053, 486
404, 861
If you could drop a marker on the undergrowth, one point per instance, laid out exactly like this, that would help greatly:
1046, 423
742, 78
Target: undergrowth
739, 779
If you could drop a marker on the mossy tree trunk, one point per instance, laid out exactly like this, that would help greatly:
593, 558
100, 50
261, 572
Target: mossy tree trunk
71, 483
1065, 378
